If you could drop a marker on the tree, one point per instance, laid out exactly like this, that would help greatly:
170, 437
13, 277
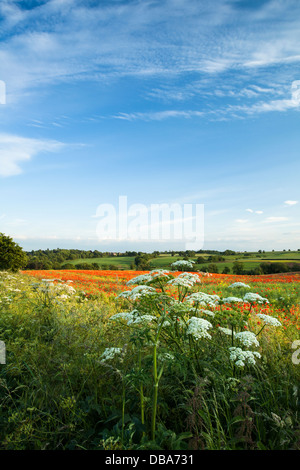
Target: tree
142, 262
12, 256
212, 268
226, 270
238, 267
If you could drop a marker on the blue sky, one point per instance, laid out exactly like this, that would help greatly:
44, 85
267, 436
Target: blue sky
165, 102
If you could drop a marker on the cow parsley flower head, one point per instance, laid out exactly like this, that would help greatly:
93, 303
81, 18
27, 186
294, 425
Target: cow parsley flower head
203, 299
251, 297
183, 264
239, 284
142, 279
240, 357
180, 282
185, 280
126, 316
64, 297
156, 273
166, 357
197, 327
143, 319
227, 331
268, 320
207, 312
69, 289
133, 317
247, 338
231, 300
110, 353
137, 292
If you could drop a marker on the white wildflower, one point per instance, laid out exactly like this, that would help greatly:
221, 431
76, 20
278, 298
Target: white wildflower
279, 422
166, 323
247, 338
251, 297
144, 319
166, 357
138, 292
207, 312
185, 280
64, 297
268, 320
183, 264
69, 289
126, 294
240, 357
159, 273
198, 327
239, 284
203, 299
127, 316
240, 363
227, 331
231, 300
110, 353
143, 278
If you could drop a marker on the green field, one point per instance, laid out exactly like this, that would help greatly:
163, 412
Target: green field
122, 262
250, 260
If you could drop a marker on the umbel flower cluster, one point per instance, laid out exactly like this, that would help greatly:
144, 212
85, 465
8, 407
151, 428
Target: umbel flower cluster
192, 317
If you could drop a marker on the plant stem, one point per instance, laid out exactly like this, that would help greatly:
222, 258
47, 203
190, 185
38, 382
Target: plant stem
123, 410
142, 392
155, 395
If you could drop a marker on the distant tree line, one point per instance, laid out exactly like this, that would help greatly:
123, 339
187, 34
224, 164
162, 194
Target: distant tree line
60, 258
53, 259
262, 268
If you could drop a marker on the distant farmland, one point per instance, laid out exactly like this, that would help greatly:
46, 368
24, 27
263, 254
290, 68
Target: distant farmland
250, 260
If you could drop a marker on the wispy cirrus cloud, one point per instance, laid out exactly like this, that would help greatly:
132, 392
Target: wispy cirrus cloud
158, 115
75, 40
15, 150
273, 105
219, 113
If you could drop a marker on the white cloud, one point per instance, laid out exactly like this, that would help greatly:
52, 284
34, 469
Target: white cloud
255, 212
158, 115
269, 106
241, 221
290, 203
15, 150
70, 40
233, 110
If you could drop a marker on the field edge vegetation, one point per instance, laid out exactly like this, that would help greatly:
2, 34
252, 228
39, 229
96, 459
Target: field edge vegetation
124, 367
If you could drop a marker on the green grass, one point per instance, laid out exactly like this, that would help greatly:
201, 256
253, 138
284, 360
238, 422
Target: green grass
250, 260
120, 261
56, 394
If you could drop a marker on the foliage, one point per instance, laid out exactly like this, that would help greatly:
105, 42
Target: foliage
134, 372
12, 257
88, 259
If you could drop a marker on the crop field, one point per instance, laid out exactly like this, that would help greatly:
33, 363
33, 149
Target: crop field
163, 261
127, 360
